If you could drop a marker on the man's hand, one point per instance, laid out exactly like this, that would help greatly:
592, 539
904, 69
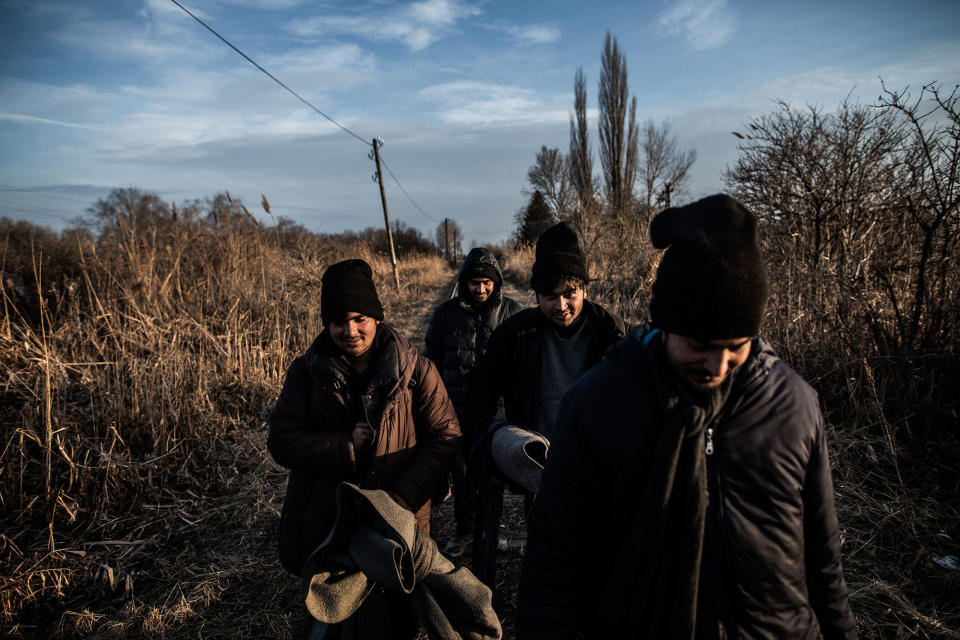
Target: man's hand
362, 436
400, 501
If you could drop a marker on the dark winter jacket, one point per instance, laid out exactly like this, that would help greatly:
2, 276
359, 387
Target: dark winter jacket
416, 436
460, 328
510, 368
771, 565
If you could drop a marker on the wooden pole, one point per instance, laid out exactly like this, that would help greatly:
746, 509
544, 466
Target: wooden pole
386, 215
446, 239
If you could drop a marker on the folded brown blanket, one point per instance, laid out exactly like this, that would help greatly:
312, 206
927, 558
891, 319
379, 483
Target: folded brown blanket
375, 542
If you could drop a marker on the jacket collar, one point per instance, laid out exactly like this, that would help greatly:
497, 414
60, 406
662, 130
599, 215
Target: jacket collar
598, 320
638, 351
392, 368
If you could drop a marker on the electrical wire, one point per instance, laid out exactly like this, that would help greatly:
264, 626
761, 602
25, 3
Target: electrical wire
306, 102
7, 206
487, 233
270, 75
40, 192
425, 214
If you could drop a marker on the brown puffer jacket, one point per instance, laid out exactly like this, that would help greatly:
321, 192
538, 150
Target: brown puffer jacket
416, 436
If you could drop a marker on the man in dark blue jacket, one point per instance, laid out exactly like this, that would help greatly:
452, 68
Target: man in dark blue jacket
688, 493
456, 338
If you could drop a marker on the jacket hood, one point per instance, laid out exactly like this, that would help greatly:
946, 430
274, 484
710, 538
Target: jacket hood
480, 256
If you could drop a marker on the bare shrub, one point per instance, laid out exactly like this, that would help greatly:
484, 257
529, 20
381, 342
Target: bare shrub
859, 212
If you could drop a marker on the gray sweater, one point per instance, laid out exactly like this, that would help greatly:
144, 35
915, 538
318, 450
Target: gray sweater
562, 362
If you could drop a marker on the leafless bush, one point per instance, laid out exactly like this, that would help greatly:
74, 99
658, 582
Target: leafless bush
859, 211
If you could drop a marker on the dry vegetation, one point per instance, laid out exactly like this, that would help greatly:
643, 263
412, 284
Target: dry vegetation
137, 495
140, 358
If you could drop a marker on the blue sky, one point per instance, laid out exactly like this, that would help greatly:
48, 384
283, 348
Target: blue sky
106, 94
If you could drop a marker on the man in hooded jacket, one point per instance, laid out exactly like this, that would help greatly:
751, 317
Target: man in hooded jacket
456, 338
362, 406
537, 354
688, 490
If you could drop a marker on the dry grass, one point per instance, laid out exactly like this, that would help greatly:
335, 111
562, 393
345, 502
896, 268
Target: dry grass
138, 499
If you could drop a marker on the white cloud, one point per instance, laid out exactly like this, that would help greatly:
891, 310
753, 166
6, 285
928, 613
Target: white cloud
416, 25
160, 38
153, 8
828, 86
705, 24
18, 117
810, 86
531, 33
482, 104
265, 4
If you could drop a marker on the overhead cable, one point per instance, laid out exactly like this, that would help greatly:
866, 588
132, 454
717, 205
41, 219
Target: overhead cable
306, 102
43, 192
7, 206
270, 75
387, 167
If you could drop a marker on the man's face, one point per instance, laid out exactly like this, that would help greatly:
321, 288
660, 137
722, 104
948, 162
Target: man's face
480, 289
353, 333
563, 305
704, 364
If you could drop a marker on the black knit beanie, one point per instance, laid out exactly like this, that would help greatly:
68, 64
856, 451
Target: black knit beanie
711, 283
348, 287
480, 263
558, 255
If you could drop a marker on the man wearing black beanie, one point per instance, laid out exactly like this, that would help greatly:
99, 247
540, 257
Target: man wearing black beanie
456, 337
537, 354
361, 406
688, 492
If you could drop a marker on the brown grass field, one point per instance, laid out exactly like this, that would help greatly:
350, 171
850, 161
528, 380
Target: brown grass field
138, 498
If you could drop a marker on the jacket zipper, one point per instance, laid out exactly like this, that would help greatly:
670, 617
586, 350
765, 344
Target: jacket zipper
368, 474
714, 490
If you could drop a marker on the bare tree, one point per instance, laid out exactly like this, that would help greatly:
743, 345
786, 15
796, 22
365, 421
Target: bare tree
449, 237
581, 155
551, 175
618, 131
664, 167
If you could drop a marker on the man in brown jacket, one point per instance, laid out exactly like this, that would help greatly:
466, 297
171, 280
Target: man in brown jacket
360, 405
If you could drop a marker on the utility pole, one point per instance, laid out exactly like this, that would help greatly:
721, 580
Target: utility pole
446, 239
667, 187
386, 216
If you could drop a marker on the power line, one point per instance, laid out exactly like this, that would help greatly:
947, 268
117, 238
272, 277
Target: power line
426, 215
270, 75
306, 102
34, 211
487, 233
41, 192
